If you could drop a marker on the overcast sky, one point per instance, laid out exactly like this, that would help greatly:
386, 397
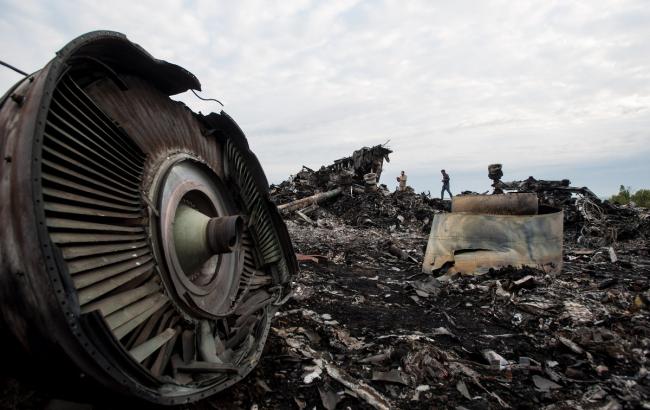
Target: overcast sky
552, 89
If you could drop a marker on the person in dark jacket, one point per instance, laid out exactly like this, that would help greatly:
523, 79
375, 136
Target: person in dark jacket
445, 185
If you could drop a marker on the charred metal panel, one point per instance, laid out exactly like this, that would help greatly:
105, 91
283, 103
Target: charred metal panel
469, 243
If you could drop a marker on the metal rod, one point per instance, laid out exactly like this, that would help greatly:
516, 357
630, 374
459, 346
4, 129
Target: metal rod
253, 309
314, 199
19, 71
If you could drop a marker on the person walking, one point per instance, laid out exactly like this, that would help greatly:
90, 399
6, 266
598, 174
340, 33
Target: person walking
402, 181
445, 185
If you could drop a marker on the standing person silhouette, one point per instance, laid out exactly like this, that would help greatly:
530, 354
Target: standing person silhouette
445, 185
402, 181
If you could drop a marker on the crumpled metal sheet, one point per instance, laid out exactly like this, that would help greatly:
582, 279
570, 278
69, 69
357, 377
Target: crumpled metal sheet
472, 243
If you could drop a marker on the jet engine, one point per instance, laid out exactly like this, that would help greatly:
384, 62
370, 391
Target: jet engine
139, 250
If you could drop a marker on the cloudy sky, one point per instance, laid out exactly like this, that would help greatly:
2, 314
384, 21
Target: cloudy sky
553, 89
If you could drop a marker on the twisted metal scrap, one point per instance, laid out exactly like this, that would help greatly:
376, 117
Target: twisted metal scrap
595, 230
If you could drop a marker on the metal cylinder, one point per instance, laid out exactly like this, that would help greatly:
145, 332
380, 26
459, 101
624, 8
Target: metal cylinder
224, 233
314, 199
503, 204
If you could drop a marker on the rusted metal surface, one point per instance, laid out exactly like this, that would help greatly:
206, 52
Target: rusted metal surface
510, 204
87, 278
470, 243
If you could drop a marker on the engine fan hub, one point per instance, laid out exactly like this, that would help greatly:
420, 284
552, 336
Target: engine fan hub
197, 232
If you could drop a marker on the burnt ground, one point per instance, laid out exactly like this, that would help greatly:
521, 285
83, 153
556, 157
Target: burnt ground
366, 329
579, 339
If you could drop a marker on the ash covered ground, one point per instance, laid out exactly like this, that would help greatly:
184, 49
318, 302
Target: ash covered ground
367, 329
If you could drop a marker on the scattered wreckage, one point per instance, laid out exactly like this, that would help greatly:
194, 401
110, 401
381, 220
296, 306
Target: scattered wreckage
594, 222
366, 327
139, 249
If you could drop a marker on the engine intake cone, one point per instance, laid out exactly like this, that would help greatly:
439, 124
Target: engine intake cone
199, 237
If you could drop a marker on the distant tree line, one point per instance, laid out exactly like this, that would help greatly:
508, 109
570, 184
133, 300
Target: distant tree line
639, 198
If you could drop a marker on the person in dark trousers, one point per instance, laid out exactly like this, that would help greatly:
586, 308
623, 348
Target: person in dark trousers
445, 185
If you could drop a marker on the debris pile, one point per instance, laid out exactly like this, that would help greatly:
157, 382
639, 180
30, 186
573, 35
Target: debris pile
594, 222
392, 210
344, 190
366, 328
343, 172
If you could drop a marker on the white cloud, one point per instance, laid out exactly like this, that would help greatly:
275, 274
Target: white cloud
453, 84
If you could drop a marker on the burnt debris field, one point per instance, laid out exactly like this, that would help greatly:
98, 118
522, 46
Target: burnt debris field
145, 262
367, 328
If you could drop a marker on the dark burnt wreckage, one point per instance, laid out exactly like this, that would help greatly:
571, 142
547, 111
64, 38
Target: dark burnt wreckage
139, 249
